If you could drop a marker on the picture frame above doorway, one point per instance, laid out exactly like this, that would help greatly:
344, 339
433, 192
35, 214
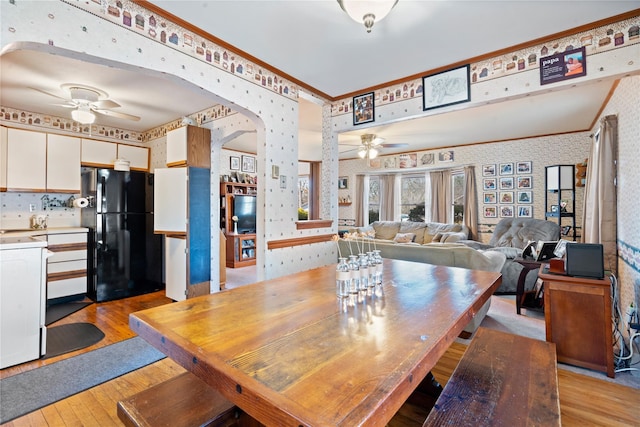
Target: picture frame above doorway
363, 108
445, 88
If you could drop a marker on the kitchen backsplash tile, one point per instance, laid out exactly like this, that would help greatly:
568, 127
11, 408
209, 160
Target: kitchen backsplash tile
15, 210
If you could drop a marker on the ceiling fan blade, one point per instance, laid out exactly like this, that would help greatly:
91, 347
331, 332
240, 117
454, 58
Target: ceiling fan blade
105, 104
69, 104
396, 145
48, 93
349, 151
117, 114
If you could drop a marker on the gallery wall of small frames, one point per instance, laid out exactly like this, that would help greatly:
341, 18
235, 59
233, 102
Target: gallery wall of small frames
507, 190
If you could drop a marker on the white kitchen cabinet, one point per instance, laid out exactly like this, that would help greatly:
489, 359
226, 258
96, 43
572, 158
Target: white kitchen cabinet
22, 301
63, 164
176, 268
189, 146
170, 200
26, 160
138, 157
3, 158
67, 267
98, 153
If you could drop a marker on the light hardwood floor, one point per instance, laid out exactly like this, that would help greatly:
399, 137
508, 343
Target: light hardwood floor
584, 401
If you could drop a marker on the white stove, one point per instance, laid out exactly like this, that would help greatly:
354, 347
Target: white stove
23, 297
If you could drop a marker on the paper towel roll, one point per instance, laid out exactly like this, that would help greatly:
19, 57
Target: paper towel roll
80, 203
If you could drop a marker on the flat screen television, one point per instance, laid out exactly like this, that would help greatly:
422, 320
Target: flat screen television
244, 207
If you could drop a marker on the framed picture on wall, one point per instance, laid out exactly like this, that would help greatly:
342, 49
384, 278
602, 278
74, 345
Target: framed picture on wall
343, 183
506, 168
248, 164
524, 182
523, 167
363, 108
489, 170
506, 197
525, 211
234, 163
506, 211
489, 184
490, 197
490, 211
446, 88
525, 197
506, 183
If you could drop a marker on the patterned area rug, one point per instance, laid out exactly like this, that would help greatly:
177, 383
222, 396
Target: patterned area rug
28, 391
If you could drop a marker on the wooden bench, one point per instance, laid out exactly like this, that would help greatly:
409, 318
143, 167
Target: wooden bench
502, 379
183, 401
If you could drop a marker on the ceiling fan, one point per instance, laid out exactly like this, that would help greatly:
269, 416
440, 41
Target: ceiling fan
370, 145
86, 101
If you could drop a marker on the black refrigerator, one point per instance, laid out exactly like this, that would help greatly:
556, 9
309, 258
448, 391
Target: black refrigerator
124, 255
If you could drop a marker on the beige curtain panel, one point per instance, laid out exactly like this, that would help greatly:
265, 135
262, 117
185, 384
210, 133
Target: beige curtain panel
600, 199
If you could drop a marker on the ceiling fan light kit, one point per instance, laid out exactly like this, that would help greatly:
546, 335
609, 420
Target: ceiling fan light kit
88, 101
83, 115
367, 12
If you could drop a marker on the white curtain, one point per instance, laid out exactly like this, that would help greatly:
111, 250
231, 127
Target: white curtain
427, 197
600, 199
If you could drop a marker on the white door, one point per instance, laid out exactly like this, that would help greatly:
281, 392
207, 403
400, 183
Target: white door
176, 268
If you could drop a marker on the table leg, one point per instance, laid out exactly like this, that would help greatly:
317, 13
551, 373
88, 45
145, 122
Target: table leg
430, 386
520, 287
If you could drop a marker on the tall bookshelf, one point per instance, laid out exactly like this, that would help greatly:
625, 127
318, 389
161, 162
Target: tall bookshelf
560, 185
241, 248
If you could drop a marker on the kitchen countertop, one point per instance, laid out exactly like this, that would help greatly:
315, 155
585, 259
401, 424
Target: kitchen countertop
26, 232
21, 242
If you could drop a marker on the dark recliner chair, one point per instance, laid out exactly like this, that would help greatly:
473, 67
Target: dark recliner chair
510, 237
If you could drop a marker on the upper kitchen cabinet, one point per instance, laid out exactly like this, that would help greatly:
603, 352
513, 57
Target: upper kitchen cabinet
189, 146
26, 166
63, 164
98, 153
138, 157
3, 158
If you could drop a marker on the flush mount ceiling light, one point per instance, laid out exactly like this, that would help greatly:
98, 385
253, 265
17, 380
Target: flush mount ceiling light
367, 12
83, 115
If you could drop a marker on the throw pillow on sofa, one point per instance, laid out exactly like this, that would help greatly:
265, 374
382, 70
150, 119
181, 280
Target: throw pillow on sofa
404, 238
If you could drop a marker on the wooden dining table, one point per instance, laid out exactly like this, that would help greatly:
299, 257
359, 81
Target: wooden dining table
288, 351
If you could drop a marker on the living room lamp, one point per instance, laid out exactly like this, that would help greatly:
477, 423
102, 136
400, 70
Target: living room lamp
367, 12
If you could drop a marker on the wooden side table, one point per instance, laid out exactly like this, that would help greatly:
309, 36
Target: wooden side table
578, 320
527, 266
